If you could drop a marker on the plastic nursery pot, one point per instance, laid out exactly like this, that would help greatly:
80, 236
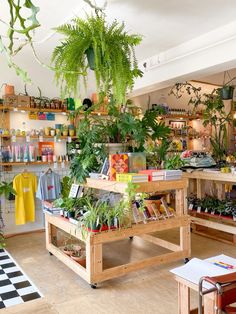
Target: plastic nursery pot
94, 228
70, 214
90, 57
227, 92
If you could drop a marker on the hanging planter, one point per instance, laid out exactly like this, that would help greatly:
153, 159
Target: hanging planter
91, 58
108, 49
227, 92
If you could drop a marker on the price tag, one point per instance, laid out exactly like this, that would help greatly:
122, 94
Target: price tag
190, 207
198, 209
13, 139
69, 139
40, 138
27, 138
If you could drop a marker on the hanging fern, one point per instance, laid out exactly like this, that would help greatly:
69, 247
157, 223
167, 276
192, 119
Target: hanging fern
114, 57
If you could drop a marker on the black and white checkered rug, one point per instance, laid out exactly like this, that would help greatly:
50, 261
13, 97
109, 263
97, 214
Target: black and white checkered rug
15, 286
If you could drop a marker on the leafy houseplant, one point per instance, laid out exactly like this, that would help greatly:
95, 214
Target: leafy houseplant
214, 115
107, 49
174, 162
6, 189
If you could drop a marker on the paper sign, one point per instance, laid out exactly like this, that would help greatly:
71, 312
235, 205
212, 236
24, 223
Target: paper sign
74, 190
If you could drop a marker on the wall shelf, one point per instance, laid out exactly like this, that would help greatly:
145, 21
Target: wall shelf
37, 137
28, 163
35, 110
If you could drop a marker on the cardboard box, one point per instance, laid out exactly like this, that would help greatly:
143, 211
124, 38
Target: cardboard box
23, 101
10, 100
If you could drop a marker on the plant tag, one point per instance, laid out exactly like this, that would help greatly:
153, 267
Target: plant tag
116, 222
206, 210
190, 207
13, 138
198, 209
213, 212
27, 138
69, 139
40, 138
234, 218
97, 223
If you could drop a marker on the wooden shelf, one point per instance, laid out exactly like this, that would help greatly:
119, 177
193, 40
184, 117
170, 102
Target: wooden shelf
37, 137
182, 117
22, 163
146, 187
28, 109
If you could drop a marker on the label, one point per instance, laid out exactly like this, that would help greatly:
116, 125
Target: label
26, 190
40, 138
27, 138
69, 139
13, 139
190, 207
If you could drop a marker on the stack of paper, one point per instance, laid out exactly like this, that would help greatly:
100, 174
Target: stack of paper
173, 174
131, 177
197, 268
154, 175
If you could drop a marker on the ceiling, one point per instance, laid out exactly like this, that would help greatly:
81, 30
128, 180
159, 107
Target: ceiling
163, 24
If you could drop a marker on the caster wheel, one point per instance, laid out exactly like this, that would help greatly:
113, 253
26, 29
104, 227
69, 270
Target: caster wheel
50, 254
93, 286
131, 238
186, 260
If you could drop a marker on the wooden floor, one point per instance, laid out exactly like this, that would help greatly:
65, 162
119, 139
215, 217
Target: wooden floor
152, 290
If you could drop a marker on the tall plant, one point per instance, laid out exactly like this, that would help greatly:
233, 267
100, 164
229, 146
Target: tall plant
108, 47
214, 114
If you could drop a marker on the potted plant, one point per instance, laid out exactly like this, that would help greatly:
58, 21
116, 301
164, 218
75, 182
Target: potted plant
214, 115
174, 162
227, 92
79, 257
107, 48
65, 130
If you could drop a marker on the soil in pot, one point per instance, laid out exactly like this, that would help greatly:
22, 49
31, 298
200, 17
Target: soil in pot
68, 251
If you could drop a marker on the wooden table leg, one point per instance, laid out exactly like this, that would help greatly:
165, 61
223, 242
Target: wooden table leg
209, 302
184, 299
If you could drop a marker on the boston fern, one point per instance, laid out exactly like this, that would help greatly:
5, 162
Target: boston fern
111, 50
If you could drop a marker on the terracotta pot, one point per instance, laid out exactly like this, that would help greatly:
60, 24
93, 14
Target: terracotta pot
9, 90
79, 259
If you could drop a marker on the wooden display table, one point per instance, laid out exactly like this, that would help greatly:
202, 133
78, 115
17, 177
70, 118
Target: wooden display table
215, 222
94, 271
184, 286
